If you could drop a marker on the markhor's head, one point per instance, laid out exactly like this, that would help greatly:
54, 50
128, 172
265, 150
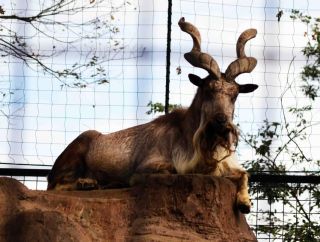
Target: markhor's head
218, 92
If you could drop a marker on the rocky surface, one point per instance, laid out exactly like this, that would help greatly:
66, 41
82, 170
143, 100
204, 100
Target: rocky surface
159, 208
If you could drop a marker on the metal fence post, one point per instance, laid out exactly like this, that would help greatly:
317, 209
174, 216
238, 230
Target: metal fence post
166, 106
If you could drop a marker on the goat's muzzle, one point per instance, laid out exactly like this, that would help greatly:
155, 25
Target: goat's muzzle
220, 125
220, 131
221, 118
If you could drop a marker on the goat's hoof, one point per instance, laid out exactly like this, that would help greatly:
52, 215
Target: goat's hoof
243, 203
87, 184
244, 208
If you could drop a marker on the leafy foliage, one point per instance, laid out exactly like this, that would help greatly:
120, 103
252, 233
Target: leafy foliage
274, 142
311, 71
269, 158
159, 107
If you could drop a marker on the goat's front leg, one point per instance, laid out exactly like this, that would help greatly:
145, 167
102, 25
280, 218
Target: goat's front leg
240, 177
243, 197
151, 167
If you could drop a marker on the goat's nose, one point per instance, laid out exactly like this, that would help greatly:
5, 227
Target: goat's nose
221, 118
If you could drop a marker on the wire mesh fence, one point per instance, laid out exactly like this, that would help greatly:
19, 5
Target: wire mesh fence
284, 208
103, 62
70, 66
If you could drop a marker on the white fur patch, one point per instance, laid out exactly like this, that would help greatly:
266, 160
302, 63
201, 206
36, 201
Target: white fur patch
227, 162
181, 161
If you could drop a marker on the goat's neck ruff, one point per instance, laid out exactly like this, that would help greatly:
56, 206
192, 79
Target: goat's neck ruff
208, 145
221, 153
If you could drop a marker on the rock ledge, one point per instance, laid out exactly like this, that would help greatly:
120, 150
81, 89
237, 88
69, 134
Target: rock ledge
159, 208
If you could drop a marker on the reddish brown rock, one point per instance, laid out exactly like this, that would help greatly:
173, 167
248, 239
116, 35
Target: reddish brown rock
160, 208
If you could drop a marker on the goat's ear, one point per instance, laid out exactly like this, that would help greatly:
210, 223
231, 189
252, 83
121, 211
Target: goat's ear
246, 88
195, 80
